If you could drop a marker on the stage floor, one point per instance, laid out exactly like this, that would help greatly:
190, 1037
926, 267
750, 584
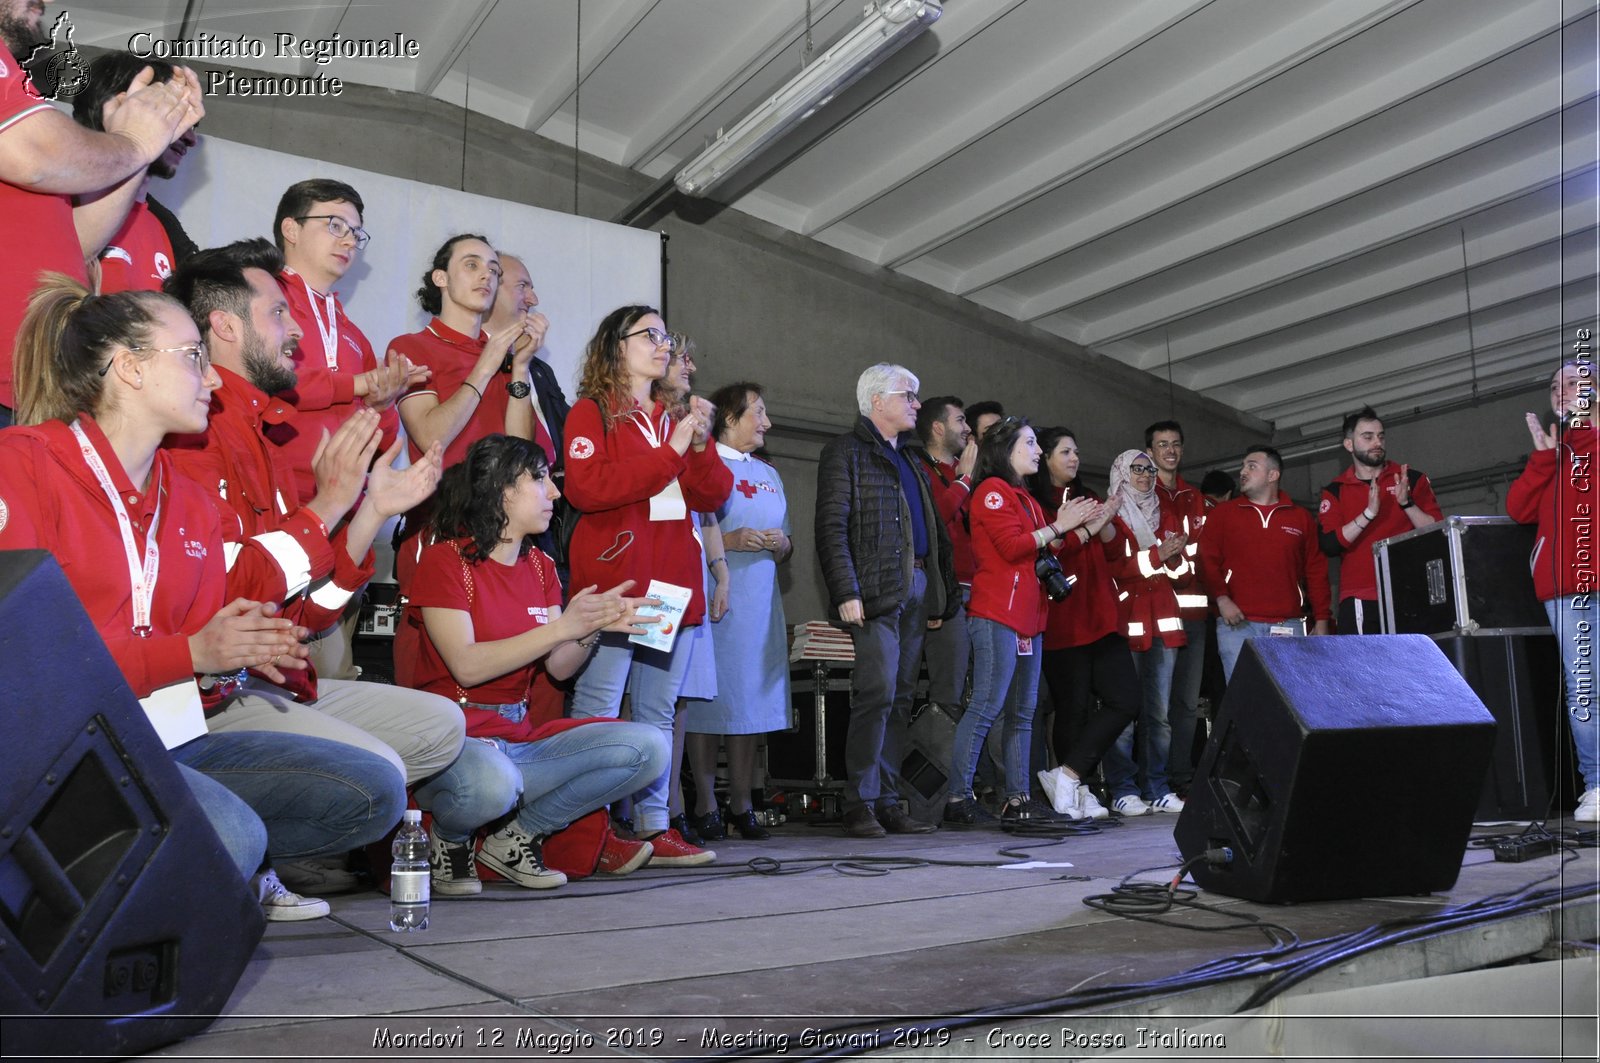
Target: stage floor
814, 942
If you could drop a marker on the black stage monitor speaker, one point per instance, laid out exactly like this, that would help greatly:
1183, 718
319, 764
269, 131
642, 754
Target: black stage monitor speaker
1339, 767
123, 923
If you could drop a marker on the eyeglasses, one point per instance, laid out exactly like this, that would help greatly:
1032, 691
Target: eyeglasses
1168, 446
685, 356
1142, 470
656, 336
338, 228
911, 396
199, 357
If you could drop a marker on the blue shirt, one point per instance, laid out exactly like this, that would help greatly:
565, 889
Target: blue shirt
911, 487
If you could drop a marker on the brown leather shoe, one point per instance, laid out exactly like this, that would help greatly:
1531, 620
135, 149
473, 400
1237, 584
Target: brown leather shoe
861, 823
895, 821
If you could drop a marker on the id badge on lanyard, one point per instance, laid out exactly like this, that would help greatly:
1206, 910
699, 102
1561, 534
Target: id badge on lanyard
175, 710
668, 503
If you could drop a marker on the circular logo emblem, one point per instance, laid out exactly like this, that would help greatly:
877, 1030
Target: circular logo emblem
163, 266
580, 448
992, 500
1327, 504
5, 514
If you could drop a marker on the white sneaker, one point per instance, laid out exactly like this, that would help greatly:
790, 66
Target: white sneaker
1168, 802
280, 905
1080, 801
1588, 807
520, 858
1130, 805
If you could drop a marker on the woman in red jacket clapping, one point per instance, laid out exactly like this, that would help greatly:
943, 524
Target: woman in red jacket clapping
636, 474
1005, 615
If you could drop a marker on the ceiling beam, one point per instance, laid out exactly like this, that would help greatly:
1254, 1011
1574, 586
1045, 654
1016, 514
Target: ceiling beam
1440, 148
1012, 96
325, 21
466, 18
603, 40
1493, 234
1257, 62
775, 33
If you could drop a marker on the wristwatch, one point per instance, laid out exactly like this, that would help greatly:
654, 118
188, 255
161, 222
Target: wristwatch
518, 389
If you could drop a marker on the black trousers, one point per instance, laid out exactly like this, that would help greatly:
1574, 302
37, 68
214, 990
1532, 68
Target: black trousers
1081, 734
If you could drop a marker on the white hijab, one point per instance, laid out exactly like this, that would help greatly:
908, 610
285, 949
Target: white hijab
1140, 512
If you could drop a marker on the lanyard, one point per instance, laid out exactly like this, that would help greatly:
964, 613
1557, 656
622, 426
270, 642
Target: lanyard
328, 330
646, 428
141, 578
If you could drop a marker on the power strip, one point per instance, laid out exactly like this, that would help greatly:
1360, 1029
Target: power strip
1516, 850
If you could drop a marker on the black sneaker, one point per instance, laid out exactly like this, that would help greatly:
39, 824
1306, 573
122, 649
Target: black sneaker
967, 813
1027, 810
452, 869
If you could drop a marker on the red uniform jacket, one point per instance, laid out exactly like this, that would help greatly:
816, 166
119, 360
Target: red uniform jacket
36, 230
324, 396
1189, 506
1005, 588
1558, 492
50, 499
1089, 613
1342, 500
950, 498
139, 257
1147, 588
611, 476
1266, 559
276, 550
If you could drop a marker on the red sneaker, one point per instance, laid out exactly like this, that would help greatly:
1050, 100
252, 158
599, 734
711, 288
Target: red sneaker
668, 849
619, 856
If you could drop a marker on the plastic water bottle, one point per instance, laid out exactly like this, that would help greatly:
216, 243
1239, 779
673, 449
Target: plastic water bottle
408, 875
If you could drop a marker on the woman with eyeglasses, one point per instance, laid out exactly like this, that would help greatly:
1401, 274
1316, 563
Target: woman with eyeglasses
102, 380
1147, 561
700, 673
637, 474
1005, 617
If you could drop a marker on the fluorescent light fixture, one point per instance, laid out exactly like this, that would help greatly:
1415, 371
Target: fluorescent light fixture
886, 27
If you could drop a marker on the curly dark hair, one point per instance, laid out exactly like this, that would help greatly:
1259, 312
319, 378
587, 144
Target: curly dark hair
994, 453
429, 295
471, 502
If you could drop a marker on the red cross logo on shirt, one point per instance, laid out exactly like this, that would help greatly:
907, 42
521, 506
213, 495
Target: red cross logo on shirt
746, 488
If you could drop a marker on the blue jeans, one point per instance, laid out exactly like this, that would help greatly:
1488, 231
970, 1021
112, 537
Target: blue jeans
1001, 681
315, 796
1573, 619
1149, 776
1183, 705
243, 834
1230, 639
888, 654
559, 778
656, 678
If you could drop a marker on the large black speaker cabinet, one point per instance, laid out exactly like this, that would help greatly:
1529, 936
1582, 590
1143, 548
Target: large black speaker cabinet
124, 924
1339, 767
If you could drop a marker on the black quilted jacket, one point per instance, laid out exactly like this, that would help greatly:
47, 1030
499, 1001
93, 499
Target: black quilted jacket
863, 530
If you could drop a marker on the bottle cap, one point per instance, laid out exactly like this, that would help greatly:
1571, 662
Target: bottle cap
411, 815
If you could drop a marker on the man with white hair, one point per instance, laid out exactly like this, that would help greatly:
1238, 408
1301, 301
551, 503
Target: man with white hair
886, 559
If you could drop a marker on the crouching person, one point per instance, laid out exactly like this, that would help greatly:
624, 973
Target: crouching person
483, 616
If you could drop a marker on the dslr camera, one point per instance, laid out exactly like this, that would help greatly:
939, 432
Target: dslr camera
1056, 583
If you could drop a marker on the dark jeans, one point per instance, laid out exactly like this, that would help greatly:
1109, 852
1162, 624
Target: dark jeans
1370, 620
888, 653
1078, 675
1184, 702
